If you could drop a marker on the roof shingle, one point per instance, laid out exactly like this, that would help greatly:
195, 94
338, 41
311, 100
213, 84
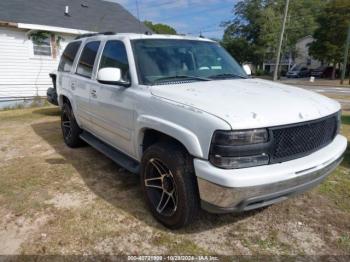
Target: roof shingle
89, 15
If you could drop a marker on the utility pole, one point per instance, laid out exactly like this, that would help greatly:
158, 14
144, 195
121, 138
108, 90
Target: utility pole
275, 74
346, 54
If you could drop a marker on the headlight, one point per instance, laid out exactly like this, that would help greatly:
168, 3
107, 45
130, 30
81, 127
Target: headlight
239, 162
240, 149
238, 138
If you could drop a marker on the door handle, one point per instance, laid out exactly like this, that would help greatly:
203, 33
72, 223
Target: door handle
93, 93
72, 85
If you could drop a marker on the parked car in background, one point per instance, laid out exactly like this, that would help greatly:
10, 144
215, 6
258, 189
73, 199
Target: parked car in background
182, 113
324, 72
298, 71
318, 72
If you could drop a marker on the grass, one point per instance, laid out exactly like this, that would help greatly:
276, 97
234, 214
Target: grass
26, 186
28, 114
264, 243
344, 241
337, 186
37, 101
177, 245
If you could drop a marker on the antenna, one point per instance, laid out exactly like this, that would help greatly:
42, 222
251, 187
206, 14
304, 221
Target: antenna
138, 15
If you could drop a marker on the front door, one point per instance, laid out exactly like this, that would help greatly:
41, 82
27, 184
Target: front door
112, 106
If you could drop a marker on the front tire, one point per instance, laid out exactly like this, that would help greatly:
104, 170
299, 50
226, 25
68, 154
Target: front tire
169, 185
69, 126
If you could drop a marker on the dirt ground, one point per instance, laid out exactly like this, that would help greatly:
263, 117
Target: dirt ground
57, 200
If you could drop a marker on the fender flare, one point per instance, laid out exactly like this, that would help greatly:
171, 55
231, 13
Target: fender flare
185, 136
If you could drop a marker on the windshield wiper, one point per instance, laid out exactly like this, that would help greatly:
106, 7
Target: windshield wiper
181, 77
226, 76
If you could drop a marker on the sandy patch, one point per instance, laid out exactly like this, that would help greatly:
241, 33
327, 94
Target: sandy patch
17, 231
68, 200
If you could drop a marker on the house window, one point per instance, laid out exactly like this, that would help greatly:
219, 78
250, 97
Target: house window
43, 48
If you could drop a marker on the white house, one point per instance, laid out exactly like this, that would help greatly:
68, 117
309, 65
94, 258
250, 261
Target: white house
302, 57
34, 33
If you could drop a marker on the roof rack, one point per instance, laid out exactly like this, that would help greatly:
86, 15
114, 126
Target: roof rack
94, 34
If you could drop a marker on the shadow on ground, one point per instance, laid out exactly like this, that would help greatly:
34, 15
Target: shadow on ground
114, 184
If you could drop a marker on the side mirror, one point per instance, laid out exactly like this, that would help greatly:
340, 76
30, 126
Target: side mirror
112, 76
247, 70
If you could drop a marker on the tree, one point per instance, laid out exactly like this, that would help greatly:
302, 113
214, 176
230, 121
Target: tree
257, 24
331, 34
160, 28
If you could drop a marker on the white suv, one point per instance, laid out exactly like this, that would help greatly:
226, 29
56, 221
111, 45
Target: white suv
183, 113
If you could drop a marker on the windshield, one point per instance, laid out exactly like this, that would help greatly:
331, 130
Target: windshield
296, 67
160, 61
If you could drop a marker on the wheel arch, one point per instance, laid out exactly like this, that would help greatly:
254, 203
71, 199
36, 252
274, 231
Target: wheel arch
63, 99
152, 130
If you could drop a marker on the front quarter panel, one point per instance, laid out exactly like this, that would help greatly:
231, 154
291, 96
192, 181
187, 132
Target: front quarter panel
192, 127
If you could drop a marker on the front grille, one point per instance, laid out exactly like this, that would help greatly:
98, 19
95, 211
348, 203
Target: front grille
302, 139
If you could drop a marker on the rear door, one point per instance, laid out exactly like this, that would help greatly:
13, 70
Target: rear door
112, 105
65, 68
82, 83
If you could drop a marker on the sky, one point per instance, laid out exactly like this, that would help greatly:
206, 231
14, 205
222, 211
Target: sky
186, 16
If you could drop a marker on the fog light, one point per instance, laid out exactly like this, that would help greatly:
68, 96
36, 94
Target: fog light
239, 162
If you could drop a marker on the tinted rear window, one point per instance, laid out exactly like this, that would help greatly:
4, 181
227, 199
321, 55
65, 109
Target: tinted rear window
68, 56
87, 59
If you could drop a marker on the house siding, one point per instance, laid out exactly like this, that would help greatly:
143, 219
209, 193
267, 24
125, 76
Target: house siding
21, 73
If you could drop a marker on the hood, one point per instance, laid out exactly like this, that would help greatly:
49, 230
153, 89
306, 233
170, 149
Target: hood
250, 103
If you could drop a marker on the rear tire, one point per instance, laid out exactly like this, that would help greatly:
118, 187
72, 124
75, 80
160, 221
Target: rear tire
169, 185
69, 126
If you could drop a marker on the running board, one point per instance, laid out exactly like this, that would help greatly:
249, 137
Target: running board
118, 157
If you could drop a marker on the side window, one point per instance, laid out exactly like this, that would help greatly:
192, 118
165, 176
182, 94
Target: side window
87, 59
114, 55
68, 56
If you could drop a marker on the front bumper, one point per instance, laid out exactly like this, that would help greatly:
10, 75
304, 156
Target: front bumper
224, 191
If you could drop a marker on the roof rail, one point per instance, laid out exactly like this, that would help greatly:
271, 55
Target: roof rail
94, 34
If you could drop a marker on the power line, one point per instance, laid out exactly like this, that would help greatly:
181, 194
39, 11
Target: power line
287, 27
154, 5
281, 41
157, 4
204, 28
199, 11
